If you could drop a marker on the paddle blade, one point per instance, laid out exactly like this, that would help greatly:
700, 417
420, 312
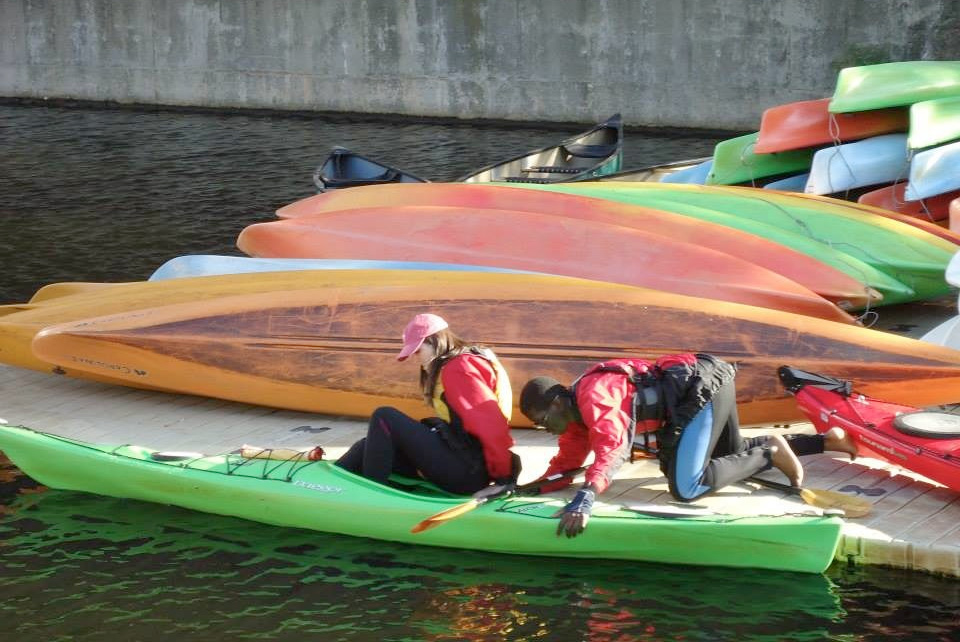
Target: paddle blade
851, 506
445, 516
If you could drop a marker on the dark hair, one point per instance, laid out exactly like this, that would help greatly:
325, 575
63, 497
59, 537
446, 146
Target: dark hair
538, 394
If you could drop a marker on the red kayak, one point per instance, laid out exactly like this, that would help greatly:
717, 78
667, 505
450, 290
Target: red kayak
924, 441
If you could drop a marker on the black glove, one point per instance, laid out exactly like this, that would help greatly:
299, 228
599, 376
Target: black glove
576, 514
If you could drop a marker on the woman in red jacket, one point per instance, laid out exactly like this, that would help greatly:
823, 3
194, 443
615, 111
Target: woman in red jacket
467, 445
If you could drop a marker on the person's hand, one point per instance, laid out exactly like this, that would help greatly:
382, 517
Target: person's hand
575, 515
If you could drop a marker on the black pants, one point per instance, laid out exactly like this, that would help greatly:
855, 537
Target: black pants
711, 453
396, 443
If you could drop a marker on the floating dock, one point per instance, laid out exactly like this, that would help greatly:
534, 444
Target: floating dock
914, 523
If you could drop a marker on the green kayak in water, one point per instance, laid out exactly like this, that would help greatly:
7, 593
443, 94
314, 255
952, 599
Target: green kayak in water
317, 495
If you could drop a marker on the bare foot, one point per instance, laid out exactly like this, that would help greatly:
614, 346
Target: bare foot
838, 439
785, 461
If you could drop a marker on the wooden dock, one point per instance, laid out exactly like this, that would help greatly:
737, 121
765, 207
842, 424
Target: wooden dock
914, 523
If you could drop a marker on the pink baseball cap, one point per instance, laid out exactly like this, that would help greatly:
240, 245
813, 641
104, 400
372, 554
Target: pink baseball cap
419, 328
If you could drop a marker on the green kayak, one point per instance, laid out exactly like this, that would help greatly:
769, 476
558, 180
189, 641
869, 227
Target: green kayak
734, 161
319, 496
934, 122
893, 84
912, 261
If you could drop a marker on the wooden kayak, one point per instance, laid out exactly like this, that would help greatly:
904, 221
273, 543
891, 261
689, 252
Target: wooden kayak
809, 123
894, 84
873, 161
926, 442
911, 256
536, 242
934, 171
736, 161
892, 197
833, 284
934, 122
595, 152
326, 341
344, 168
319, 496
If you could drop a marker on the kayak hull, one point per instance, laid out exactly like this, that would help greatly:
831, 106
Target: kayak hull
809, 123
325, 341
319, 496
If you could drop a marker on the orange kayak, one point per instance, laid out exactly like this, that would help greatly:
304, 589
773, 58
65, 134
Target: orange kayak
891, 197
535, 242
809, 123
836, 286
325, 341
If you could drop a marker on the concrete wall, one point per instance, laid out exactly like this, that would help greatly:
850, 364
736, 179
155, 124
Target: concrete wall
684, 63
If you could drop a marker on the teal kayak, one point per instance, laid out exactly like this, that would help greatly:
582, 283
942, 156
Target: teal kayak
893, 84
902, 263
319, 496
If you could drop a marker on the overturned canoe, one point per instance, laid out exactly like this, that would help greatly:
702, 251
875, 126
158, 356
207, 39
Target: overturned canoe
319, 496
536, 242
325, 341
809, 123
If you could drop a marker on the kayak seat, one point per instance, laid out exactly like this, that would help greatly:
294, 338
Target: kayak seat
389, 176
589, 151
553, 169
526, 179
931, 424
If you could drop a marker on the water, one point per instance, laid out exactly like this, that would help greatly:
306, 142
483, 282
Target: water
108, 195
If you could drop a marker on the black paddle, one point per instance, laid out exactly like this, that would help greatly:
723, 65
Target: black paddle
485, 495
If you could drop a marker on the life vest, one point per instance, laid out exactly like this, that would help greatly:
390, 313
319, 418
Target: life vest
502, 389
450, 425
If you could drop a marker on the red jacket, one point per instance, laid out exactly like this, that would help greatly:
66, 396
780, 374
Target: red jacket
469, 382
605, 401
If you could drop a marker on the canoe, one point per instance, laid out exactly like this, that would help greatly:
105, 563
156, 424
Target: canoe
595, 152
873, 161
536, 242
658, 173
934, 122
809, 123
894, 84
934, 171
325, 341
926, 442
192, 265
344, 168
322, 497
836, 285
893, 197
736, 161
910, 256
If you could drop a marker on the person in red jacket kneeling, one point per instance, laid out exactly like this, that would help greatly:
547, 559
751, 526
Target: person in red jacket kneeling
685, 403
467, 445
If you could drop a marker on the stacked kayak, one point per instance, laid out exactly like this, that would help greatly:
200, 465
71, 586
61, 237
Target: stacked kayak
523, 240
926, 442
319, 496
324, 340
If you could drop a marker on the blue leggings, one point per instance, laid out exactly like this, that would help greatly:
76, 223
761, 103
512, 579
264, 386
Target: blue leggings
711, 454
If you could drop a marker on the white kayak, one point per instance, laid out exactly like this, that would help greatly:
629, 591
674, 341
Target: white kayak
872, 161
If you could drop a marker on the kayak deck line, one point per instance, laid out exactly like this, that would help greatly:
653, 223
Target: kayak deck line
912, 525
